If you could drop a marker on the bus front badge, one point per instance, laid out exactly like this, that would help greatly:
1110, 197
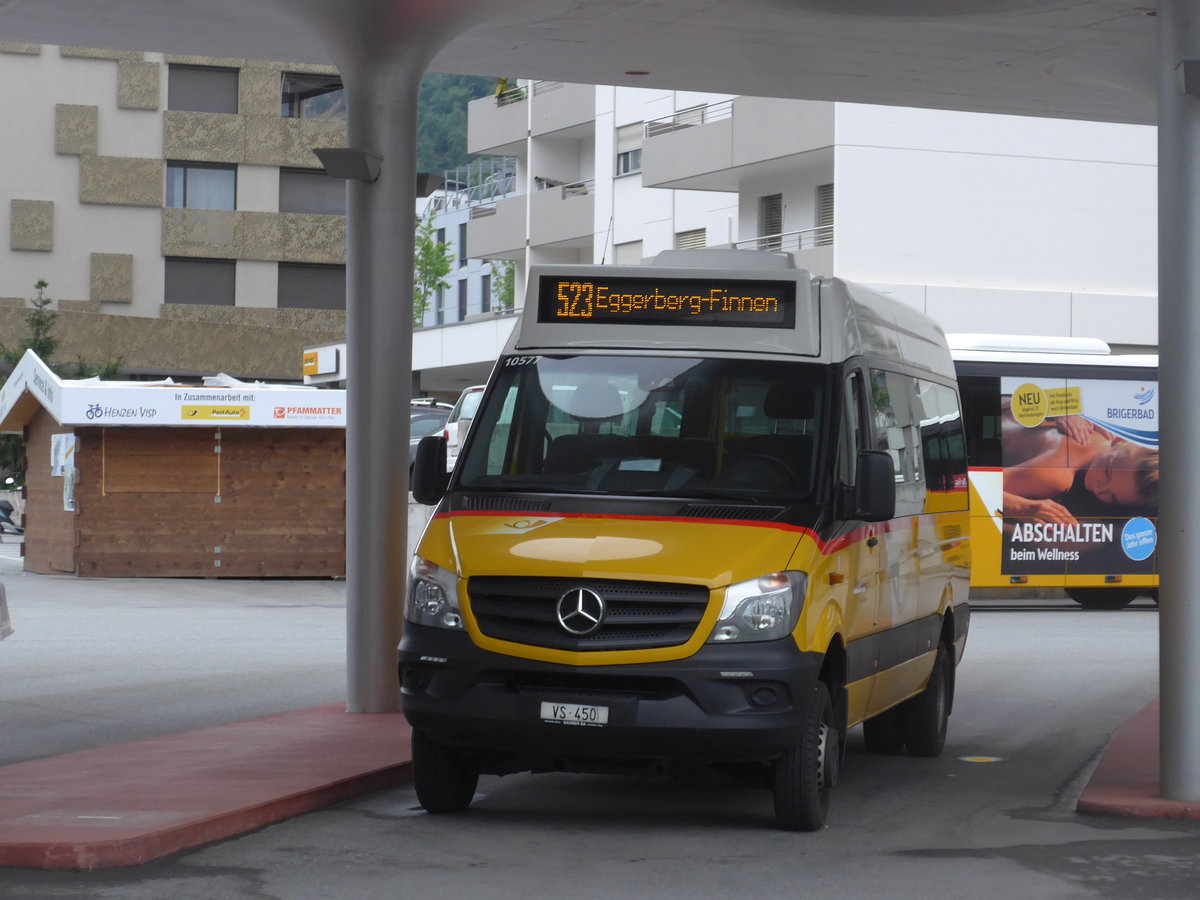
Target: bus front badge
580, 611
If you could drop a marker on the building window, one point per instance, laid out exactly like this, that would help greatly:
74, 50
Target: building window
201, 186
690, 240
202, 89
462, 299
306, 96
629, 148
824, 215
462, 244
770, 222
628, 253
311, 191
629, 162
206, 282
439, 306
311, 286
485, 296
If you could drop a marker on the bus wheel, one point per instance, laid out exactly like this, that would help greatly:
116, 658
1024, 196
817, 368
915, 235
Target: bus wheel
926, 715
443, 781
804, 777
884, 733
1102, 598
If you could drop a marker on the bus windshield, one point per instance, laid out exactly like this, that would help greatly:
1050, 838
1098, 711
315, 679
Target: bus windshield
675, 426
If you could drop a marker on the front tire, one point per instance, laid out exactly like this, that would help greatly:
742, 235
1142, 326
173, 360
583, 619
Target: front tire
806, 774
925, 717
444, 782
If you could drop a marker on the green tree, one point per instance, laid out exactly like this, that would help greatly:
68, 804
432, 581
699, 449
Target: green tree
432, 262
503, 273
40, 321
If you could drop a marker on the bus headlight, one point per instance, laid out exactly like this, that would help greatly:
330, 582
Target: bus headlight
432, 597
761, 609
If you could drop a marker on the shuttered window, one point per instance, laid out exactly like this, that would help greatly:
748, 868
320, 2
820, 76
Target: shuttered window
690, 240
825, 215
770, 222
628, 254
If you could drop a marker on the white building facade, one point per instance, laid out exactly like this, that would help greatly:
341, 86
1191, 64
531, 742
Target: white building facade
988, 223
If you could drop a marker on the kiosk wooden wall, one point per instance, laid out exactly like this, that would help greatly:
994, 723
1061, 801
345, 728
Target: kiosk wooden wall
189, 502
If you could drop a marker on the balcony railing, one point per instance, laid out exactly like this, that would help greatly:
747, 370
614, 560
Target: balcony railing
687, 118
791, 241
574, 189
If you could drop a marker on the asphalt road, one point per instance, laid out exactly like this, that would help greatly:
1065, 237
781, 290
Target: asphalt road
1039, 694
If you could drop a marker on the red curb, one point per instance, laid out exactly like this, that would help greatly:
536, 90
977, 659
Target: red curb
1126, 781
131, 803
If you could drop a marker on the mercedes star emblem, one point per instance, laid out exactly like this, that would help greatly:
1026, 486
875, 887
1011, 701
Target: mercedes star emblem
580, 611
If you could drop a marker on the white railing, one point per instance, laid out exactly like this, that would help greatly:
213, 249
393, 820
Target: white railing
791, 241
688, 118
574, 189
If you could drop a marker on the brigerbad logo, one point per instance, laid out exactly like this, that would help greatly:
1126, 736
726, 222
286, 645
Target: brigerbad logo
1142, 397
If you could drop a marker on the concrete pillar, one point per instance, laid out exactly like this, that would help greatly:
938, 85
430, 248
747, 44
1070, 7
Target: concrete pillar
382, 49
1179, 366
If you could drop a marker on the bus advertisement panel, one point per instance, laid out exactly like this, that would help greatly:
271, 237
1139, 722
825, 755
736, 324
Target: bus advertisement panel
1080, 476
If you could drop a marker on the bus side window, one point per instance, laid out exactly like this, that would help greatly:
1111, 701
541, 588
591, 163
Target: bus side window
853, 426
892, 398
981, 400
942, 439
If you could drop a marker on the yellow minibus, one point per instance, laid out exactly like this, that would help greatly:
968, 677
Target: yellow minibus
712, 511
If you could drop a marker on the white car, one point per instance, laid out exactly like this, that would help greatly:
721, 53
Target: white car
460, 420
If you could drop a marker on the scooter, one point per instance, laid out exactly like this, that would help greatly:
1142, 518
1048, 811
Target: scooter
7, 525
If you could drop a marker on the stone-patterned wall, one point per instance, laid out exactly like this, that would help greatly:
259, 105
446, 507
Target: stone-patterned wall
120, 180
270, 237
112, 277
31, 225
76, 129
259, 343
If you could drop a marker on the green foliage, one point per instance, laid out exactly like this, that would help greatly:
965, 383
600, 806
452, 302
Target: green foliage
503, 271
40, 322
41, 340
442, 119
432, 262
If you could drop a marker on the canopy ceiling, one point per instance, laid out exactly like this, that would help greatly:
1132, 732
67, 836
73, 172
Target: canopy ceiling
1091, 59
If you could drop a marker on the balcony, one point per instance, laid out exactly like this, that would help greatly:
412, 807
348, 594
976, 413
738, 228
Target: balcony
498, 125
564, 215
719, 146
812, 248
497, 230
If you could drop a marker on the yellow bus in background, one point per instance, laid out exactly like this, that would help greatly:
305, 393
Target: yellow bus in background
1062, 438
711, 512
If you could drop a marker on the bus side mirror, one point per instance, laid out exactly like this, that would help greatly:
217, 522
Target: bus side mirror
874, 486
429, 476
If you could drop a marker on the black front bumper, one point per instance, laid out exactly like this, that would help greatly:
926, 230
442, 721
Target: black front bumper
725, 703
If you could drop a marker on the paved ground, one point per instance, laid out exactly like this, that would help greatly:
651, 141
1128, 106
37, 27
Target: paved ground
158, 683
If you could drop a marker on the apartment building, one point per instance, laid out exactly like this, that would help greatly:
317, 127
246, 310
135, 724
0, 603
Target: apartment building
175, 207
987, 222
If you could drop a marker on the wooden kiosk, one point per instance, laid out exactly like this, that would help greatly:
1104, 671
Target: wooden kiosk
231, 479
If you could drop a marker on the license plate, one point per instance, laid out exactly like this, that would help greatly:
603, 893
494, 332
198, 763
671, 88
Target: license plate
575, 714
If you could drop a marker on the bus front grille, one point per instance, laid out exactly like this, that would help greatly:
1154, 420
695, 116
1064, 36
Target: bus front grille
637, 615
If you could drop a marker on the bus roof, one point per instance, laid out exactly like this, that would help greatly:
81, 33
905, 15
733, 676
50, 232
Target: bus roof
1042, 350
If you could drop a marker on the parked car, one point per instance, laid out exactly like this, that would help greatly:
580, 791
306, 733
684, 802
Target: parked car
428, 417
460, 420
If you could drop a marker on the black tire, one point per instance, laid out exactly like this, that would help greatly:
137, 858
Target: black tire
884, 733
925, 716
444, 782
1102, 598
804, 777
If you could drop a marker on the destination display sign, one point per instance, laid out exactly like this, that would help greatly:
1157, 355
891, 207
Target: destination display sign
741, 303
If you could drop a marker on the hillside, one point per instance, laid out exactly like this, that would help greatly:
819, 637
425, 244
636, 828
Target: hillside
442, 119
